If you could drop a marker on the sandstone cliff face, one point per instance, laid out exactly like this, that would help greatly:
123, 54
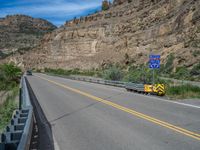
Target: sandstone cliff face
125, 34
21, 33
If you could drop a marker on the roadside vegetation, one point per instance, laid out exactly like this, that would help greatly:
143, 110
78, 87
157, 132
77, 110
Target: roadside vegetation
142, 74
6, 110
181, 73
9, 76
9, 82
72, 72
183, 91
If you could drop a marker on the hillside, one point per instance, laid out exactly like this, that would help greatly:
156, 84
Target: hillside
126, 33
21, 33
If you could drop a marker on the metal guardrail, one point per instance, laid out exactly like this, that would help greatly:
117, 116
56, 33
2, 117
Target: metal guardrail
18, 133
135, 86
99, 81
130, 86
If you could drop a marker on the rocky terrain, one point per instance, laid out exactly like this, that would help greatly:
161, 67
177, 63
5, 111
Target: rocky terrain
19, 33
126, 33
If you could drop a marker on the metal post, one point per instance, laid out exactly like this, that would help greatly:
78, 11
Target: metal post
20, 99
2, 146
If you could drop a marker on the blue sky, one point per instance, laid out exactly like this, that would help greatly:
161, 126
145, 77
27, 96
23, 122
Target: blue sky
55, 11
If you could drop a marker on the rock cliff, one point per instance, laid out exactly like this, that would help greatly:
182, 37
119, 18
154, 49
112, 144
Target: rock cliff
125, 34
21, 33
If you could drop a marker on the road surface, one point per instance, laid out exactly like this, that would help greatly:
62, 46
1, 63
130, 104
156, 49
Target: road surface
88, 116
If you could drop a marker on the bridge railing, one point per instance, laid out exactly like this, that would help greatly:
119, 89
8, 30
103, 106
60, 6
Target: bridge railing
17, 135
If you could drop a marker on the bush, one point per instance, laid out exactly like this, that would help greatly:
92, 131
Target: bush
181, 73
113, 73
142, 75
72, 72
183, 91
196, 53
105, 5
195, 70
6, 110
9, 76
168, 67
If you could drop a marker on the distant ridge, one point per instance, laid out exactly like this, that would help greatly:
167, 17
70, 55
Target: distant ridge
21, 33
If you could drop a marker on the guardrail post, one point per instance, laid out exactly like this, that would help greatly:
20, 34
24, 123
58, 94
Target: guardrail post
2, 146
20, 98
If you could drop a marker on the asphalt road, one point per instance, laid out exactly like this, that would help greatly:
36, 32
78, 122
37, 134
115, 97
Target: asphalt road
88, 116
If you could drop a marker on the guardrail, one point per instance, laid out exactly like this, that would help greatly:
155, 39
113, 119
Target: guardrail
135, 87
156, 89
18, 133
99, 81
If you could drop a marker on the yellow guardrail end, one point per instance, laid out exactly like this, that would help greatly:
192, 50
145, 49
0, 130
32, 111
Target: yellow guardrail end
159, 89
148, 88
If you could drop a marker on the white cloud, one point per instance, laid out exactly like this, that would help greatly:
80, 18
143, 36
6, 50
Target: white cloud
53, 7
50, 9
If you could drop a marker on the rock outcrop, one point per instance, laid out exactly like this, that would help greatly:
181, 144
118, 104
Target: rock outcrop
119, 2
21, 33
124, 34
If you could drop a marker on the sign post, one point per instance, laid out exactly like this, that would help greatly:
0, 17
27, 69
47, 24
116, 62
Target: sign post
154, 63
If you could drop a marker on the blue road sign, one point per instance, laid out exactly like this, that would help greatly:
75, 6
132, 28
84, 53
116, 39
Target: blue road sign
154, 61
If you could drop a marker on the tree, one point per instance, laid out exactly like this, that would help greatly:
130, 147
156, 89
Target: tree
105, 5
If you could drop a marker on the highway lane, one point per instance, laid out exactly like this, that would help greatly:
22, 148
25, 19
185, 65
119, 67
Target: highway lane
81, 122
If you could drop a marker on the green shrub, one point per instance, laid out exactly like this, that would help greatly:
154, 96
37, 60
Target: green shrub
168, 67
196, 53
6, 110
181, 73
105, 5
142, 74
183, 91
9, 76
134, 76
72, 72
113, 73
195, 70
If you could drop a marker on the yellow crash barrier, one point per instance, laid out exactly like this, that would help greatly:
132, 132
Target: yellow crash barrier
148, 88
159, 89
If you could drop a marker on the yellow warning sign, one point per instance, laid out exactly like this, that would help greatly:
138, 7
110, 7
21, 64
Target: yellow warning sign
159, 89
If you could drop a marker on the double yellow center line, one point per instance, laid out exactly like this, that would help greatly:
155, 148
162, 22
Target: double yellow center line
130, 111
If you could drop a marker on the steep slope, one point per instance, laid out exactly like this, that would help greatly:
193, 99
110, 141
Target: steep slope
126, 34
21, 33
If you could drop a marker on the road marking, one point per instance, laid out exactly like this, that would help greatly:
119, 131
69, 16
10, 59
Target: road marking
130, 111
170, 101
56, 147
152, 97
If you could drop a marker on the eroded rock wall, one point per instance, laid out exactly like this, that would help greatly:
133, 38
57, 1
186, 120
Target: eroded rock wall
21, 33
125, 34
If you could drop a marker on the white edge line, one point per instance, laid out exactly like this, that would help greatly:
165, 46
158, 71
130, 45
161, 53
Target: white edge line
170, 101
56, 147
